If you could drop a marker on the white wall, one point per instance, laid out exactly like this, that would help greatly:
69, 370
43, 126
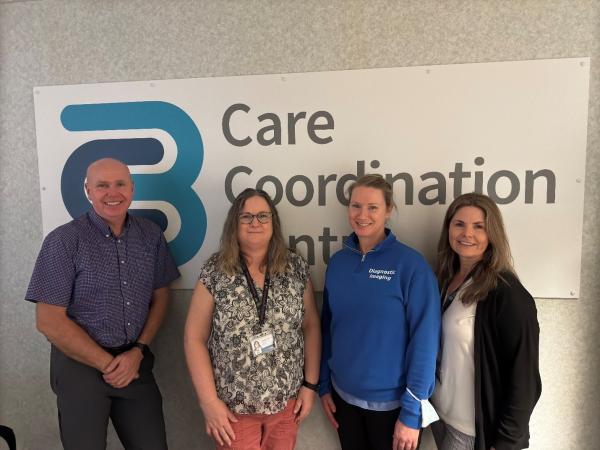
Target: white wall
70, 42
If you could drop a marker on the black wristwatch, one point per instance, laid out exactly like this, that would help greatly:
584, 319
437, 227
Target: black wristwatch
313, 387
141, 346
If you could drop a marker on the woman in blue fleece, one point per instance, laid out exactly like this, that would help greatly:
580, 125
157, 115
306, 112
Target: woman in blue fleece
381, 329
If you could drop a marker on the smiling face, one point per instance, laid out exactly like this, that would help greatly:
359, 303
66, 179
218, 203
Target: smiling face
110, 189
367, 213
255, 235
467, 235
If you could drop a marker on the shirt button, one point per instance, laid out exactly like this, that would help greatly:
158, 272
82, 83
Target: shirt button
128, 303
128, 323
119, 241
108, 235
124, 282
122, 262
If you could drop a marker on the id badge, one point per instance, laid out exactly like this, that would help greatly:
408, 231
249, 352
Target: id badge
262, 343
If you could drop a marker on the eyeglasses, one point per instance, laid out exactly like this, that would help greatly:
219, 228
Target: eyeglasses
262, 217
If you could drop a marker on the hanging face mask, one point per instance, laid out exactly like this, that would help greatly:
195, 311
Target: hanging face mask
428, 414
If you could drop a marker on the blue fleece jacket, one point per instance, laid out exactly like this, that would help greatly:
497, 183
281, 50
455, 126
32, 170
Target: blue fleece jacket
381, 325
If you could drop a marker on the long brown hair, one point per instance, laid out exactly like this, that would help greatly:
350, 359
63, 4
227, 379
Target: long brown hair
228, 259
495, 260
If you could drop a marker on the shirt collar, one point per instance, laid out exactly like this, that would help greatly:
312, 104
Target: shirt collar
101, 224
352, 241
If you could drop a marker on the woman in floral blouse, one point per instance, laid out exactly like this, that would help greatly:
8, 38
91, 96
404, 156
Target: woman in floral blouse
252, 338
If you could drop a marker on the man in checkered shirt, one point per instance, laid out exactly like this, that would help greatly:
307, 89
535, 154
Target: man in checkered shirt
101, 288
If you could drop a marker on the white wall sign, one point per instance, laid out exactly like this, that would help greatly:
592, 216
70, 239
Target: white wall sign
513, 130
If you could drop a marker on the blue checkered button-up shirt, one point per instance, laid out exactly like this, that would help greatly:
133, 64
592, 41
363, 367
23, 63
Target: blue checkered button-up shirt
105, 282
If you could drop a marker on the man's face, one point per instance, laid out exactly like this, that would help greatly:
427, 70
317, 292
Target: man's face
110, 189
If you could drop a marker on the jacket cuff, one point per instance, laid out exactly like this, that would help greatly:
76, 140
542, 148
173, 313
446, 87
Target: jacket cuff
410, 419
324, 388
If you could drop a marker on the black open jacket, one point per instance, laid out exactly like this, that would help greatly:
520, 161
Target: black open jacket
507, 377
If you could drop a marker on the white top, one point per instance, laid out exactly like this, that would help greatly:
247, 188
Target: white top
454, 395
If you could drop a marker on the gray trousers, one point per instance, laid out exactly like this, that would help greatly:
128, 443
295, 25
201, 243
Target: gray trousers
448, 438
85, 403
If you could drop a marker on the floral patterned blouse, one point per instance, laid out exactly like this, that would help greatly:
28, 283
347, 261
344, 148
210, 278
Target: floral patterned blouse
261, 384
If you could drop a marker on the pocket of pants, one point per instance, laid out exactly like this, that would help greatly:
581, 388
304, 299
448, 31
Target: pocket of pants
146, 366
57, 362
284, 422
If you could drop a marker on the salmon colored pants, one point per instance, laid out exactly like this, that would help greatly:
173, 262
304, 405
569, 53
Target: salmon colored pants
265, 431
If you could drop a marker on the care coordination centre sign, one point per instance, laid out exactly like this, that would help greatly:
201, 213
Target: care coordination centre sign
513, 130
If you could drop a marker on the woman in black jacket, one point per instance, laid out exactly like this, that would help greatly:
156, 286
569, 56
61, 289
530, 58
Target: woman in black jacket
488, 375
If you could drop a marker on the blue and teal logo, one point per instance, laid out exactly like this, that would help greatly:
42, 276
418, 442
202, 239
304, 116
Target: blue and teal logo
173, 186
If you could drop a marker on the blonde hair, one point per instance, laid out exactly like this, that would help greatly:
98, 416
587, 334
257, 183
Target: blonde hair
496, 258
376, 181
228, 256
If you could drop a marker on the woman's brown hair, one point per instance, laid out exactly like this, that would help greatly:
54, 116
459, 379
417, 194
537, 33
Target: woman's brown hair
228, 259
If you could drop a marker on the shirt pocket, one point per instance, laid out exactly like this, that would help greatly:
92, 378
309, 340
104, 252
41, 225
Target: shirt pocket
464, 328
466, 320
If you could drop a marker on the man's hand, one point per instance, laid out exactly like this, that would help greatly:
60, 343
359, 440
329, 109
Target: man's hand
304, 403
405, 438
124, 368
